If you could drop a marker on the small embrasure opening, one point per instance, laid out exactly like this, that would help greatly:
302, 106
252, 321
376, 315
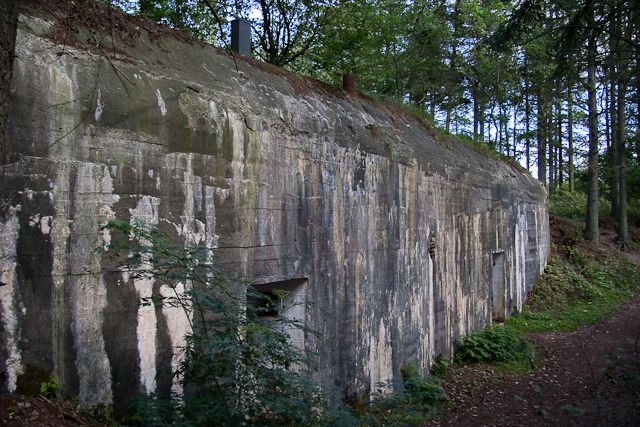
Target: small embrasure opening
282, 303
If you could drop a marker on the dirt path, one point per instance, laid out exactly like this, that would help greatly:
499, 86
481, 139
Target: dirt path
590, 377
23, 411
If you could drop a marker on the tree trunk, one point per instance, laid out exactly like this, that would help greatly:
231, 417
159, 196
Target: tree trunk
453, 60
623, 234
638, 114
515, 135
527, 124
432, 106
612, 149
559, 144
476, 116
592, 228
551, 144
500, 141
570, 137
542, 141
607, 115
622, 77
635, 29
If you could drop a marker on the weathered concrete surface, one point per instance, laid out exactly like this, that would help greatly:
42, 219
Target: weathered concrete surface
282, 179
8, 24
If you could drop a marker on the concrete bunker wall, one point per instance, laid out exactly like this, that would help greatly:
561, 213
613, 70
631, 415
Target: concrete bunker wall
394, 234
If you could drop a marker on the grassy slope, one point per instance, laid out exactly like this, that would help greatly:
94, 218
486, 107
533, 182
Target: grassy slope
583, 282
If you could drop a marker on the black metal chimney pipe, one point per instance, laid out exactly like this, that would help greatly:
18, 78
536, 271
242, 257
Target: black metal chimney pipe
241, 36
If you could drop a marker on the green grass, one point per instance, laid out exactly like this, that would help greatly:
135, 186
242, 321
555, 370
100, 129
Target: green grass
577, 290
567, 319
583, 286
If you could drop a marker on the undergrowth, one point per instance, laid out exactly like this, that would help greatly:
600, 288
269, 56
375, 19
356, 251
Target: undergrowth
237, 367
576, 290
413, 402
572, 205
581, 285
239, 370
494, 344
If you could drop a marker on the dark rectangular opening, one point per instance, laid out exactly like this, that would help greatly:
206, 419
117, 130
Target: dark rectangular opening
285, 299
498, 291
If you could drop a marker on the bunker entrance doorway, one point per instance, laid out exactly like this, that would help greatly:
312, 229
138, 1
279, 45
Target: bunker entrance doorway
498, 291
283, 305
